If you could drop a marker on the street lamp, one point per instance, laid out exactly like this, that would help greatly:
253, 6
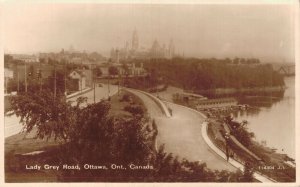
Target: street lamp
226, 144
93, 76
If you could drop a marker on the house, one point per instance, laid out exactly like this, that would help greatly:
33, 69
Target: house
124, 70
137, 70
78, 80
25, 58
8, 75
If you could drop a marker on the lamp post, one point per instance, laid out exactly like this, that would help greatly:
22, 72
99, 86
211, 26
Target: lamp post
108, 88
54, 81
65, 77
226, 144
93, 76
40, 77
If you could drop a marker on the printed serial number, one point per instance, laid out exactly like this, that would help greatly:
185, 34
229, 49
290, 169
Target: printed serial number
270, 167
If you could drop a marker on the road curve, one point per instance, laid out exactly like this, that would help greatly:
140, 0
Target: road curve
181, 134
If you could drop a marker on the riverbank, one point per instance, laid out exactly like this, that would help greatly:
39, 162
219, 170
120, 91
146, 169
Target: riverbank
273, 165
283, 171
274, 120
228, 91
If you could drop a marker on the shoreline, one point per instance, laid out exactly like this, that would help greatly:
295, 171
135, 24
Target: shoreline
221, 91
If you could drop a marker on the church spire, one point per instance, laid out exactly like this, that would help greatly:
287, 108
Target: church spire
135, 40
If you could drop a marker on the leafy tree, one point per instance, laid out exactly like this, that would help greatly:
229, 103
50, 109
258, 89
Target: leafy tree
97, 72
41, 110
112, 70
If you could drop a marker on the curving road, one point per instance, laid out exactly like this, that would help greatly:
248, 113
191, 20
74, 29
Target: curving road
100, 93
181, 134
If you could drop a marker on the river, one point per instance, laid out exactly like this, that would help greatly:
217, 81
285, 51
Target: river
273, 119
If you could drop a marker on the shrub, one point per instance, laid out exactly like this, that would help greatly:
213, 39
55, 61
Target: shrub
134, 109
126, 97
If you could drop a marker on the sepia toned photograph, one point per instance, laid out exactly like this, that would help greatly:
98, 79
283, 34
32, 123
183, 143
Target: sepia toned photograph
142, 92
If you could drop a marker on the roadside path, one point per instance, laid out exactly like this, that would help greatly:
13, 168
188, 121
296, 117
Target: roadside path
236, 164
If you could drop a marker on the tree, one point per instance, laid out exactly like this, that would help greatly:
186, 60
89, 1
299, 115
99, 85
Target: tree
51, 116
126, 69
97, 72
112, 70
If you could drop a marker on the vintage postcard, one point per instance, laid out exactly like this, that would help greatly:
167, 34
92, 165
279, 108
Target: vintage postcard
111, 92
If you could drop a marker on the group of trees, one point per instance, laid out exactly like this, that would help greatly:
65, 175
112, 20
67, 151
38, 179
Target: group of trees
203, 74
91, 136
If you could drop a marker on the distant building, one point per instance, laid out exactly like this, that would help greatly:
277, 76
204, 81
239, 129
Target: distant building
135, 41
25, 58
215, 103
78, 80
125, 70
136, 70
8, 75
137, 52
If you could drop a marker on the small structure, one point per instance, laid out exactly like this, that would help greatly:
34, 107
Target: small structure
25, 58
188, 97
215, 103
124, 70
78, 79
135, 70
8, 75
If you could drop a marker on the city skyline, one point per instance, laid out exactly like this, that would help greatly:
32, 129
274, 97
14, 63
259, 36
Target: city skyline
203, 31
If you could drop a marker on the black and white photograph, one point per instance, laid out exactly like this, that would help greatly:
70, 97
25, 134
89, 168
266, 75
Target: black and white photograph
128, 92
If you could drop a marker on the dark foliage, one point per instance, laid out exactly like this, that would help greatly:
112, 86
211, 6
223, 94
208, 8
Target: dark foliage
203, 74
135, 109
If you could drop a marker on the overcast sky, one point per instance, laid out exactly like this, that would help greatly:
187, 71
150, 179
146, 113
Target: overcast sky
262, 31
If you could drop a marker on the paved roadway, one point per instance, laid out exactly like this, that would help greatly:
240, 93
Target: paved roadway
181, 134
100, 93
12, 125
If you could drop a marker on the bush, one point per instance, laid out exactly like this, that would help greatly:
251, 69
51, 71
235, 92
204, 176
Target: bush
126, 97
135, 109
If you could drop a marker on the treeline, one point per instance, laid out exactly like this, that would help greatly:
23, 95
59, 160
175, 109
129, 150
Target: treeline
203, 74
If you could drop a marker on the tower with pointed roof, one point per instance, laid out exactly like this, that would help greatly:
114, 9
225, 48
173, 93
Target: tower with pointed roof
135, 40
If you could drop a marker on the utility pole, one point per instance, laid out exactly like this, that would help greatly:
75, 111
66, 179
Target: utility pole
18, 80
54, 81
119, 86
40, 77
65, 79
25, 78
108, 89
93, 75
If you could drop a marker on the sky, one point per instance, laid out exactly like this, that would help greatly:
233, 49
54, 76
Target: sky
204, 31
